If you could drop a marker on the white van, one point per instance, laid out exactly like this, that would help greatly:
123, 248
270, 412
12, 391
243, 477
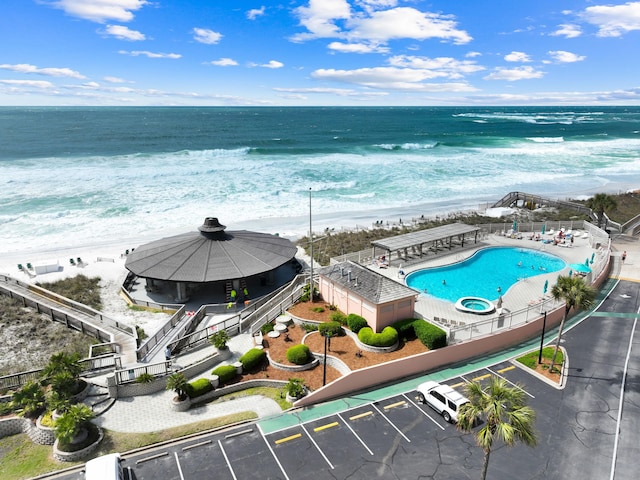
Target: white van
106, 467
442, 398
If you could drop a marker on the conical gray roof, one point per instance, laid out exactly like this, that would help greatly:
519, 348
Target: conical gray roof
210, 254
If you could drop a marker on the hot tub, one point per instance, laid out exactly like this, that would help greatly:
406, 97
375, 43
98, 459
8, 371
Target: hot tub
477, 305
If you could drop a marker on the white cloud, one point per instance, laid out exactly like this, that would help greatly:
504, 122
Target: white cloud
357, 48
391, 78
405, 22
28, 83
100, 10
561, 56
204, 35
51, 72
144, 53
270, 64
473, 54
568, 30
513, 74
114, 80
517, 57
124, 33
224, 62
613, 20
320, 16
440, 66
255, 12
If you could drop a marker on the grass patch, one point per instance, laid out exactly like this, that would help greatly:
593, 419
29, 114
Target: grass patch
531, 359
22, 459
80, 288
269, 392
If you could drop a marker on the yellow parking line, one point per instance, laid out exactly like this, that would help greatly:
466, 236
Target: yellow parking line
394, 405
457, 385
286, 439
506, 369
482, 377
324, 427
355, 417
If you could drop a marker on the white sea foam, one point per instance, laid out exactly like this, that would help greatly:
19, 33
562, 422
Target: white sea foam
546, 139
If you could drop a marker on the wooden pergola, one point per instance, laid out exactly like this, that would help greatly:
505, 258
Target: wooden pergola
419, 243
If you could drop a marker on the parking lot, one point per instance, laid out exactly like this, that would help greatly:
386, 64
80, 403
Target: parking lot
398, 437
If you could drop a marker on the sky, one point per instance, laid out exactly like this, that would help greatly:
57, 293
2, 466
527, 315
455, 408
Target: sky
319, 52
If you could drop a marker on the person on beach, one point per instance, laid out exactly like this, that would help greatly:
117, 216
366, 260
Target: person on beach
624, 256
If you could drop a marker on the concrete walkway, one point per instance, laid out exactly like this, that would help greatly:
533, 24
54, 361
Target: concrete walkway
153, 412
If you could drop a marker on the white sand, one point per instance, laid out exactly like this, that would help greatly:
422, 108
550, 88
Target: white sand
105, 261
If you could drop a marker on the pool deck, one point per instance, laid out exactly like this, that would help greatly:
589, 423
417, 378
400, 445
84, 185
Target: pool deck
525, 293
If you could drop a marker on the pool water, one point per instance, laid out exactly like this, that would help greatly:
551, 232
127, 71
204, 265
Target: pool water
489, 273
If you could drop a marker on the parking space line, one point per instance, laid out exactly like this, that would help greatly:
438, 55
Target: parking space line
482, 377
456, 385
355, 434
394, 405
505, 369
241, 432
391, 423
318, 447
424, 413
365, 414
324, 427
179, 466
152, 457
509, 381
273, 454
226, 459
195, 445
286, 439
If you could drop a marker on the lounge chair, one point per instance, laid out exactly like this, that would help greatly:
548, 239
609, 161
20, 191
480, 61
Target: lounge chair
29, 266
72, 262
551, 232
20, 267
80, 262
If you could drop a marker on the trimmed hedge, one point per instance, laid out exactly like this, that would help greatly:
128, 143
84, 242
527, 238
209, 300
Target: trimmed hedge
252, 359
431, 336
332, 329
299, 354
387, 337
199, 387
225, 373
405, 328
339, 317
356, 322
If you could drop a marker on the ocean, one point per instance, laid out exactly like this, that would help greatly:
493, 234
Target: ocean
87, 176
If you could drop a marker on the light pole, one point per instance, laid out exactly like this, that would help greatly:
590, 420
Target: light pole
310, 249
327, 339
544, 324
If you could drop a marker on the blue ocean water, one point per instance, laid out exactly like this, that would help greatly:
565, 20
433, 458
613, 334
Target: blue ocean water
86, 175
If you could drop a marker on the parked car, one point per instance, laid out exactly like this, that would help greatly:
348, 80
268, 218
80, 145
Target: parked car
106, 467
442, 398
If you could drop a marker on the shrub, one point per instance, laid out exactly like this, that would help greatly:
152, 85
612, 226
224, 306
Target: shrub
305, 297
405, 328
252, 359
317, 309
330, 329
178, 383
199, 387
338, 317
299, 354
145, 378
309, 327
387, 337
226, 373
356, 322
431, 336
295, 387
29, 399
72, 421
266, 328
219, 339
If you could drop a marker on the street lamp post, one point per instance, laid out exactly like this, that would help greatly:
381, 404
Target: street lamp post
544, 324
327, 340
311, 250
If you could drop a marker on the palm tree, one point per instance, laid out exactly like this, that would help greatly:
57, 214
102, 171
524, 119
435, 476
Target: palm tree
178, 383
576, 294
71, 422
30, 399
600, 203
505, 416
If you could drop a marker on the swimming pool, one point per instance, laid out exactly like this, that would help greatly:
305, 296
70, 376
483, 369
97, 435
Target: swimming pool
488, 273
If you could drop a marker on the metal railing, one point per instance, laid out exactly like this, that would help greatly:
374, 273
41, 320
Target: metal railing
129, 375
153, 341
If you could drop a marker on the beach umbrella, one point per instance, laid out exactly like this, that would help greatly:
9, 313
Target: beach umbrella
546, 285
515, 226
593, 256
580, 267
586, 262
499, 304
570, 272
